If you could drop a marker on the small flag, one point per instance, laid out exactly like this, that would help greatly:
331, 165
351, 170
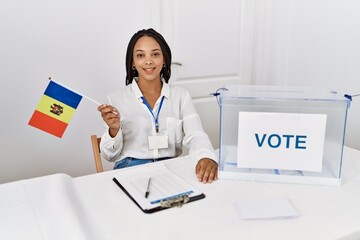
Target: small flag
55, 109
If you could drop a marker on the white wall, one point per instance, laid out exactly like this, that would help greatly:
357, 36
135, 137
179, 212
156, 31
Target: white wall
80, 43
311, 43
330, 51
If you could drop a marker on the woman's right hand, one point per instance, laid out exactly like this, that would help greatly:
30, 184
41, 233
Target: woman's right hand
111, 117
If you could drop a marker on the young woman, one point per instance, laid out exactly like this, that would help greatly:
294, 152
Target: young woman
149, 120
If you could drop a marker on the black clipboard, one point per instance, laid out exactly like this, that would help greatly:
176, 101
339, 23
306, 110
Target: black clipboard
173, 202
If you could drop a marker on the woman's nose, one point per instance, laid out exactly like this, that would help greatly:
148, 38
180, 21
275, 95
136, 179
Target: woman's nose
148, 61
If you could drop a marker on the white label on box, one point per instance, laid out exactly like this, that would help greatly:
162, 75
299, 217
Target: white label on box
289, 141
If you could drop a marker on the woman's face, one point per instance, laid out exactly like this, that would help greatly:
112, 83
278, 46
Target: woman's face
148, 58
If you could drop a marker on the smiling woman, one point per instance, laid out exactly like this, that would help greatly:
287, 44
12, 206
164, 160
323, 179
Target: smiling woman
149, 120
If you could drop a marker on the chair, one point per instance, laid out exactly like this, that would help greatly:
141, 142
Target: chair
95, 142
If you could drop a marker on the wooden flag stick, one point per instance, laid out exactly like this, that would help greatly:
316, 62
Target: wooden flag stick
96, 102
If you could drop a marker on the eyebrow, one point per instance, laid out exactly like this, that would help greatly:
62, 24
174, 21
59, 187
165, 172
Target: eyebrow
140, 50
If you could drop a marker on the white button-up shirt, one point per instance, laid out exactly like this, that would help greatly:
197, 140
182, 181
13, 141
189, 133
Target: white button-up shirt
177, 119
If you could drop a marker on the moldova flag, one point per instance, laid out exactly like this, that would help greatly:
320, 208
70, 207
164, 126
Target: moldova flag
55, 109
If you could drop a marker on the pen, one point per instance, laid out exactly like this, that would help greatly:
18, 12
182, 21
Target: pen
148, 188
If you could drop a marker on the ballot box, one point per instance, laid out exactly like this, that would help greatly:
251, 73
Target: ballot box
282, 134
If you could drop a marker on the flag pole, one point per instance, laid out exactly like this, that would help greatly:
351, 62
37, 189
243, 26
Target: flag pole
96, 102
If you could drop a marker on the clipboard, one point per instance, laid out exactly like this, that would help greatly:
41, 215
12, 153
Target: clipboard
167, 190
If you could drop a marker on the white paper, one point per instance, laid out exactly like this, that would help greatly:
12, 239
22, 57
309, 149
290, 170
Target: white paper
164, 184
265, 208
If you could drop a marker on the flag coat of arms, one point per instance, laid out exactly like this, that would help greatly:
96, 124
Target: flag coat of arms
55, 109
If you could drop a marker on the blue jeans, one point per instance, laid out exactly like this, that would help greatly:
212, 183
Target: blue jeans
130, 161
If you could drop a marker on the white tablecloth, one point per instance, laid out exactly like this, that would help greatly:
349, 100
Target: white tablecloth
93, 207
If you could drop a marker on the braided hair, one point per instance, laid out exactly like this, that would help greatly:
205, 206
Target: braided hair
166, 70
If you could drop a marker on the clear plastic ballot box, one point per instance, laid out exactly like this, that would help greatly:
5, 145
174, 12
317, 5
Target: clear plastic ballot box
282, 134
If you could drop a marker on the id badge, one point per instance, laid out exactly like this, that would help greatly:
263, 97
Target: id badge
158, 142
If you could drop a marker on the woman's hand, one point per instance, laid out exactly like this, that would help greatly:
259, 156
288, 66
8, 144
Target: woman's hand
111, 117
206, 170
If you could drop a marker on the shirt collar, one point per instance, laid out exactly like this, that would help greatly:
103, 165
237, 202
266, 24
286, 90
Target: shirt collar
165, 91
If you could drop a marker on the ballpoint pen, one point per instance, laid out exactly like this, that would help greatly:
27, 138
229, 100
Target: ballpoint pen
148, 188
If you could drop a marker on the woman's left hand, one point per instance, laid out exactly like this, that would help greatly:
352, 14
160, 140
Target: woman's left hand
206, 170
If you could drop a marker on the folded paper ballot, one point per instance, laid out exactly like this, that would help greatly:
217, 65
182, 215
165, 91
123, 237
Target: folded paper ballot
265, 208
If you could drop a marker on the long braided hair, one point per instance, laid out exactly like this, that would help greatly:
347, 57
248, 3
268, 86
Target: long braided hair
166, 70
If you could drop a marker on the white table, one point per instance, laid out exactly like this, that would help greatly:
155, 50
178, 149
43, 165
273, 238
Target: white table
93, 207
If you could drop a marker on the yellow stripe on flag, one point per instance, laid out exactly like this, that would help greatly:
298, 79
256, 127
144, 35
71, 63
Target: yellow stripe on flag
60, 110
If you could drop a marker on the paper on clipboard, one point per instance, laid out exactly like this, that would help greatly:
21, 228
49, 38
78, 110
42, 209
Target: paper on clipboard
165, 185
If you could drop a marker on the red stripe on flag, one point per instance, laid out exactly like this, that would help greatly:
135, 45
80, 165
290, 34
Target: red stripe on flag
48, 124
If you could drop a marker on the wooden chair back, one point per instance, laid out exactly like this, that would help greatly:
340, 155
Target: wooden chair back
95, 143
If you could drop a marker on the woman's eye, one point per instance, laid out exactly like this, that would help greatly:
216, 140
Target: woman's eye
139, 55
156, 54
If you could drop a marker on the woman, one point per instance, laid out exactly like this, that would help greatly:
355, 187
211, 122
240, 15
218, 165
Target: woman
149, 120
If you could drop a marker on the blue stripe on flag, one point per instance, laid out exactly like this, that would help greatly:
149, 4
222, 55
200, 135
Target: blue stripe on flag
63, 94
